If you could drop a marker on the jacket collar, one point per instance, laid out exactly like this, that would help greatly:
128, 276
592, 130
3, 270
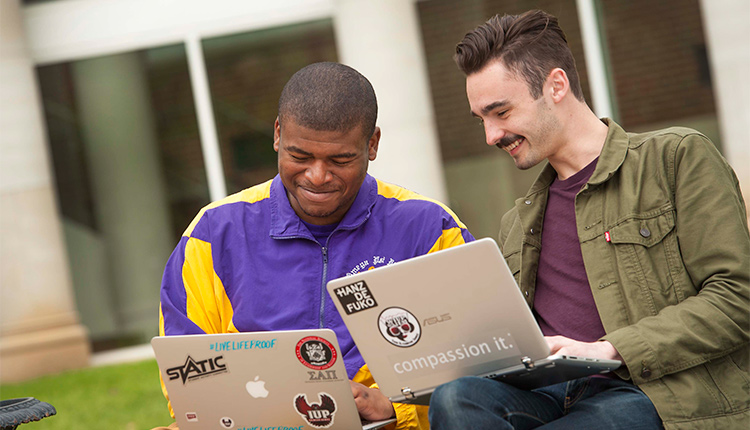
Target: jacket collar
611, 158
613, 153
285, 223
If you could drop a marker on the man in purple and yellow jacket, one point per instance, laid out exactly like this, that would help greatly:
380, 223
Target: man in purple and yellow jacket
260, 259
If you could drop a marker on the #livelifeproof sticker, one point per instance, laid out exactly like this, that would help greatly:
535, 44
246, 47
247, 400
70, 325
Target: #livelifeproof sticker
316, 353
399, 327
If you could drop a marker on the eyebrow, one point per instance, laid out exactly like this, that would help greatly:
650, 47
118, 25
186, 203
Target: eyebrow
300, 151
492, 106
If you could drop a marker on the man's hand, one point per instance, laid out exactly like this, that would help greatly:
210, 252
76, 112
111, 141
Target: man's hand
371, 403
565, 346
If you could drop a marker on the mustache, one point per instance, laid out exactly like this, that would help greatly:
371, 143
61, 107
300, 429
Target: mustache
507, 140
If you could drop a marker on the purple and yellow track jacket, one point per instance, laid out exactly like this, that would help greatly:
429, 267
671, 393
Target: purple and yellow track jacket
248, 263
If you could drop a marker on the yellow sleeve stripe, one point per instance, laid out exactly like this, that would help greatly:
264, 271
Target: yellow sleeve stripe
161, 380
161, 321
248, 195
207, 303
391, 191
413, 417
450, 237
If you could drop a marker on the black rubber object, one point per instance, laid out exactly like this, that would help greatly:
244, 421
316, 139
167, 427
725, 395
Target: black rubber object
14, 412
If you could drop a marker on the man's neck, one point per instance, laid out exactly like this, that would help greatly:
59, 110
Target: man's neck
583, 136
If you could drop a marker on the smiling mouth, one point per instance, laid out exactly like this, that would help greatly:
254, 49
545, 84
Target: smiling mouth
510, 147
316, 195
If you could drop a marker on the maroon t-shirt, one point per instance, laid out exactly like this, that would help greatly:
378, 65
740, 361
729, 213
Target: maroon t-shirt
563, 303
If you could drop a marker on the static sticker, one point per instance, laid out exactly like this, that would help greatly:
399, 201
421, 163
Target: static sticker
318, 415
355, 297
399, 327
316, 353
226, 423
196, 369
192, 417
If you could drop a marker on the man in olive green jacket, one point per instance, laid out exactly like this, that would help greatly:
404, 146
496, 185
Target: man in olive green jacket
657, 271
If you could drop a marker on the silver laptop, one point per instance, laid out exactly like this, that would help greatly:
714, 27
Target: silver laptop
429, 320
276, 379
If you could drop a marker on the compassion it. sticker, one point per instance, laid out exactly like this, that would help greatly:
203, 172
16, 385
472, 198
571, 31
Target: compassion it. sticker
316, 353
318, 415
399, 327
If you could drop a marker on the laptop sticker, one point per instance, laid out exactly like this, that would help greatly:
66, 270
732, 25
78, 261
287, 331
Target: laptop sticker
191, 417
196, 369
322, 375
257, 388
316, 353
399, 327
319, 415
226, 423
473, 349
355, 297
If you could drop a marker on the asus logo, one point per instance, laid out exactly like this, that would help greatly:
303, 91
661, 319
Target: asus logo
435, 320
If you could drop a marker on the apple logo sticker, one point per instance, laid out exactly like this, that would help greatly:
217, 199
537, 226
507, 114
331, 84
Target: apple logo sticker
257, 388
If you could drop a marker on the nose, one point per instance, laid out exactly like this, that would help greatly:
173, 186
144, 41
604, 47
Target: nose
317, 173
493, 133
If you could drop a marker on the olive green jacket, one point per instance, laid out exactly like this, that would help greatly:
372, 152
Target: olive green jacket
665, 243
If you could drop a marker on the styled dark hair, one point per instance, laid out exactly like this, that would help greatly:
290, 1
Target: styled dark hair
529, 45
329, 97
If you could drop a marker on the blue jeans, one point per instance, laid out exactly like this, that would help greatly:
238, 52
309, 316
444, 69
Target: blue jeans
586, 403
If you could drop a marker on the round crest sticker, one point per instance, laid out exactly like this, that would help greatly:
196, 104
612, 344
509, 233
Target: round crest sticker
316, 353
399, 327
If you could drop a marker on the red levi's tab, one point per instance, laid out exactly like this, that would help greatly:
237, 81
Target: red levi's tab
606, 236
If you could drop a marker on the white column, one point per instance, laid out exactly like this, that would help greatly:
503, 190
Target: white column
217, 187
130, 202
595, 66
39, 328
382, 40
728, 41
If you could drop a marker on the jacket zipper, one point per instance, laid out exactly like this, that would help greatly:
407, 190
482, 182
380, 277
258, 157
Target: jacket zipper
325, 275
323, 286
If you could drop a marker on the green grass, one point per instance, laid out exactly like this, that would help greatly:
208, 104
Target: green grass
126, 396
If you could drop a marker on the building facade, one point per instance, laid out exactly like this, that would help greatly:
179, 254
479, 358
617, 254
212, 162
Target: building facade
120, 119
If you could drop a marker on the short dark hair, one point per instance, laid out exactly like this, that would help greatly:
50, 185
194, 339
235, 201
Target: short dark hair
529, 45
329, 97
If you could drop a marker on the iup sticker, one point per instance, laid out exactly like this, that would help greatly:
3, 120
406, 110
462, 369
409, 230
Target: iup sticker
316, 353
399, 327
318, 415
355, 297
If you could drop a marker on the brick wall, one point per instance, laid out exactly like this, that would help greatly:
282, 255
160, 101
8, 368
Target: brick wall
658, 60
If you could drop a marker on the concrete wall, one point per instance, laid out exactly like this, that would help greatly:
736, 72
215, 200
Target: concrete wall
39, 328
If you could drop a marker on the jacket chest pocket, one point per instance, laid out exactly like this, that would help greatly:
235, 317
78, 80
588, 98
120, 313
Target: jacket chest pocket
648, 259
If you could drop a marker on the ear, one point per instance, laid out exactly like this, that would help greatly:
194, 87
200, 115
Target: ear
276, 134
372, 144
557, 85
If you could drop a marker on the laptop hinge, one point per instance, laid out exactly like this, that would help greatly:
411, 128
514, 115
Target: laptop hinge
406, 391
527, 363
